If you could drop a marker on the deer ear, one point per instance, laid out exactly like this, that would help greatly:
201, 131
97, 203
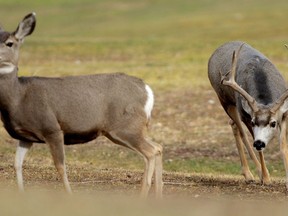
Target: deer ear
284, 106
246, 106
26, 26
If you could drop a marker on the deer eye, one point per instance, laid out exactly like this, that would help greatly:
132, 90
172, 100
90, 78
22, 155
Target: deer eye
9, 44
273, 124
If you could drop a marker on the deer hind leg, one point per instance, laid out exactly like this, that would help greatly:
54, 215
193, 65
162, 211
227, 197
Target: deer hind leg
55, 142
158, 182
152, 154
21, 151
240, 137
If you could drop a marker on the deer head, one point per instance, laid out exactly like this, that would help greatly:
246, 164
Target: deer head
265, 119
11, 42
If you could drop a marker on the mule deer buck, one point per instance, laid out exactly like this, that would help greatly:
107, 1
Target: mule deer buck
251, 90
74, 109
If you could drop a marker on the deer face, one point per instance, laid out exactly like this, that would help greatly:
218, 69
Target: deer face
266, 121
9, 51
265, 126
11, 42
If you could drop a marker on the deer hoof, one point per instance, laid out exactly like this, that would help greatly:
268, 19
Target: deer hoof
249, 178
266, 181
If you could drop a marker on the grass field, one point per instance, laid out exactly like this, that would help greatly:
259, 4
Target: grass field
168, 44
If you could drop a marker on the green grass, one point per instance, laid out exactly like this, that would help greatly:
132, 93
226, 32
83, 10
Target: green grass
218, 167
166, 42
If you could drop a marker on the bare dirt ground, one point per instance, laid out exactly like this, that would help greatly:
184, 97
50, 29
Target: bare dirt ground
125, 182
190, 125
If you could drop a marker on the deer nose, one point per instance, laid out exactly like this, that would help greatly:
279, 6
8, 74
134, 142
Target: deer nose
259, 145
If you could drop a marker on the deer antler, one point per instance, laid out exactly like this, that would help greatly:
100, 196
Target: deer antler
282, 98
279, 102
228, 79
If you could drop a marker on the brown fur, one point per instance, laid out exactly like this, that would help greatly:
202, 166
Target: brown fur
71, 110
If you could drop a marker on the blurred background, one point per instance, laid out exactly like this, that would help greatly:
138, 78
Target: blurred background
167, 43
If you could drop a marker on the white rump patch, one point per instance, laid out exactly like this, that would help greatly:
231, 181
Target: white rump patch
149, 102
7, 68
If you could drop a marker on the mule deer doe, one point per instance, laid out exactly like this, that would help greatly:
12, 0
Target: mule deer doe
71, 110
251, 90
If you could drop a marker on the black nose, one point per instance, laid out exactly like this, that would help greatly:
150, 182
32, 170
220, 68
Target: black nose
259, 145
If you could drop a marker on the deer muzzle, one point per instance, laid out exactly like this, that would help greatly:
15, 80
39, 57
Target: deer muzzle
259, 145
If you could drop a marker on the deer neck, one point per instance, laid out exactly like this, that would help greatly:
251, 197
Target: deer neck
9, 89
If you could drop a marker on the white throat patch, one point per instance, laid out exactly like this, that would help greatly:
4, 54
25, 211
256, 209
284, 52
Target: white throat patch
7, 68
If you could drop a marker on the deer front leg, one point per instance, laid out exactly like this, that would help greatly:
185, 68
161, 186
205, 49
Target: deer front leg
240, 138
284, 149
56, 144
244, 164
21, 151
265, 178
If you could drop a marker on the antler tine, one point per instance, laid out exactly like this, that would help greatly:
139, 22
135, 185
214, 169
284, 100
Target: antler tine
282, 98
279, 102
228, 79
